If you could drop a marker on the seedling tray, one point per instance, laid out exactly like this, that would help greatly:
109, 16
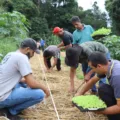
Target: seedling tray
97, 37
87, 109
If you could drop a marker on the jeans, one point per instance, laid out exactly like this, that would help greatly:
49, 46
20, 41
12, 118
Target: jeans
106, 93
86, 69
21, 98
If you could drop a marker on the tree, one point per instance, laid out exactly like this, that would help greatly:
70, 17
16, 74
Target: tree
113, 7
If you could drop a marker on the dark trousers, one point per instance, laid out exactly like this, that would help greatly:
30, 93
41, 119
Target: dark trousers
58, 65
106, 93
42, 47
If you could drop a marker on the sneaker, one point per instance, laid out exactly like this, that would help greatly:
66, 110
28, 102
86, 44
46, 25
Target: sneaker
14, 117
3, 112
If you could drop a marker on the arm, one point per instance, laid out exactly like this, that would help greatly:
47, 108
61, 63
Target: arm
72, 76
45, 63
88, 75
32, 83
88, 85
115, 109
60, 45
54, 64
65, 47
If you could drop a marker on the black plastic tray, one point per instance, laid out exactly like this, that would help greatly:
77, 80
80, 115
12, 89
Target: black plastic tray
97, 37
86, 110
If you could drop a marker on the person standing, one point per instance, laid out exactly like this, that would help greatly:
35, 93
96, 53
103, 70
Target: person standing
65, 36
81, 35
42, 44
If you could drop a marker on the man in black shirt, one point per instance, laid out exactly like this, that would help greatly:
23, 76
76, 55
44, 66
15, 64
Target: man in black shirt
65, 36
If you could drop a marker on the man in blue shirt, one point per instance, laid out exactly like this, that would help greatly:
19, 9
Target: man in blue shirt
42, 44
82, 33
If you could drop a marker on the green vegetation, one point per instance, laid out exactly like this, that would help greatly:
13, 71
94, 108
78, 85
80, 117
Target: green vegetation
12, 31
89, 101
113, 8
13, 25
79, 74
102, 31
43, 16
113, 44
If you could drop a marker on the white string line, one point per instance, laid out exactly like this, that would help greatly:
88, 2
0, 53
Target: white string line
55, 108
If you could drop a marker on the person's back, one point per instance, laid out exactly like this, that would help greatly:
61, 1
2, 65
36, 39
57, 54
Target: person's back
53, 49
91, 46
66, 36
9, 72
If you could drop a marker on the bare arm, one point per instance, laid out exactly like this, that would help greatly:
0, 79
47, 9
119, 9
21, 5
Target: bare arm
115, 109
60, 45
54, 64
32, 83
65, 47
88, 75
45, 62
88, 85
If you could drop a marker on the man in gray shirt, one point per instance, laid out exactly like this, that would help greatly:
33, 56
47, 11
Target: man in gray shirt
109, 93
15, 66
49, 52
79, 54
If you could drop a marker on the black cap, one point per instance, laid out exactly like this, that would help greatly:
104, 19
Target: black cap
72, 56
29, 42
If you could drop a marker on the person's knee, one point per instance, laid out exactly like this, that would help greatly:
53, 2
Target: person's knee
38, 94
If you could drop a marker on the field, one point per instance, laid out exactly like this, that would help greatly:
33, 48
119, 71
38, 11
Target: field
59, 84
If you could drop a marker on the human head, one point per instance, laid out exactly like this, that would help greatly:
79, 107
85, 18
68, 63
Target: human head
29, 46
72, 56
98, 62
58, 31
47, 54
75, 20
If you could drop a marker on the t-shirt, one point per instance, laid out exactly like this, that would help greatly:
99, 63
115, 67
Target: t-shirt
67, 38
113, 76
81, 36
54, 50
13, 67
89, 47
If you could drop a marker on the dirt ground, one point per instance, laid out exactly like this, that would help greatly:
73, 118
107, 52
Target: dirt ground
59, 84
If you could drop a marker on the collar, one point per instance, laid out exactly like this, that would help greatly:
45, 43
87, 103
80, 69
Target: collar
110, 68
84, 26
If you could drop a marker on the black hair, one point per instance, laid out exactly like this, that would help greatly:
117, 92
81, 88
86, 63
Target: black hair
97, 58
75, 19
47, 53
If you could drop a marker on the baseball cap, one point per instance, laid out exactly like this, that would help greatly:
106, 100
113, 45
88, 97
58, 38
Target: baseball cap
72, 56
31, 43
56, 30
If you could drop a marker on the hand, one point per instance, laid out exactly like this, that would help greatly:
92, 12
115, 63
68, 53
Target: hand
71, 90
99, 112
87, 78
48, 70
47, 92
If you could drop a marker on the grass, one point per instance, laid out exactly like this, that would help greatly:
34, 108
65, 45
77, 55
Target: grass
79, 73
